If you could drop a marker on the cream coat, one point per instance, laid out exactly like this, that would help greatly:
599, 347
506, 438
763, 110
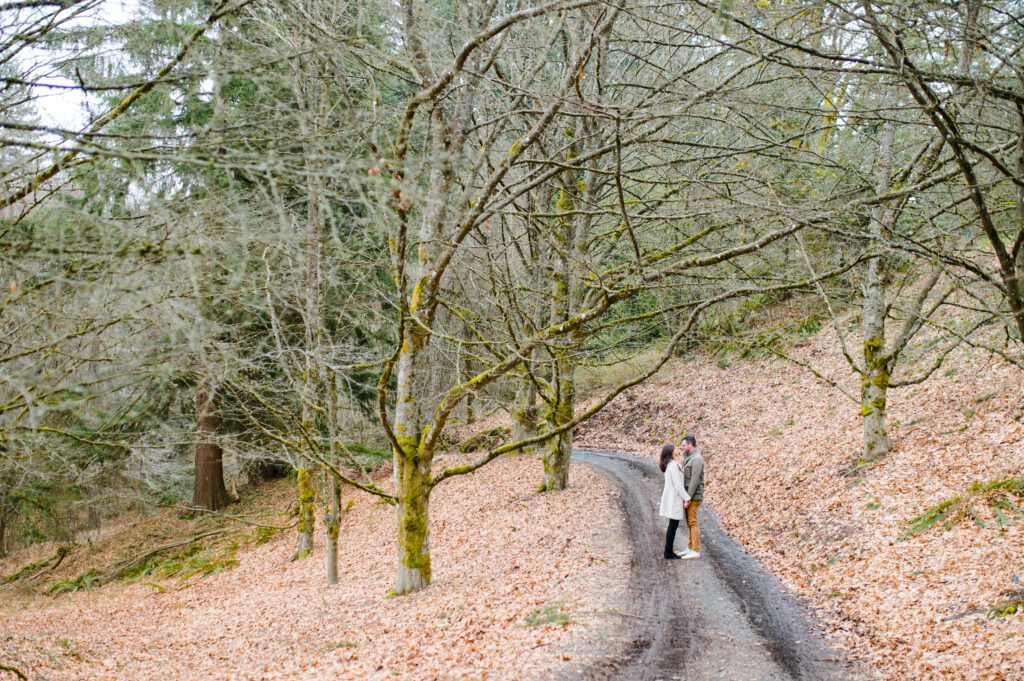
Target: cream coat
674, 494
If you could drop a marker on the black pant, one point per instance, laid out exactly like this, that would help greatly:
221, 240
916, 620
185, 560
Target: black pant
670, 537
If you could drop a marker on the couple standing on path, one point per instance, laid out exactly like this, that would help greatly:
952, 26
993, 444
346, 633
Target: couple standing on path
684, 490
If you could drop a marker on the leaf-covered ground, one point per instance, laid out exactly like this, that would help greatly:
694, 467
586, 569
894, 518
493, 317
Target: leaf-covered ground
783, 451
525, 586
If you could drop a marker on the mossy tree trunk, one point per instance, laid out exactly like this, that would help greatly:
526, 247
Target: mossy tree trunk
311, 377
560, 412
566, 247
412, 475
306, 515
876, 366
412, 461
524, 413
332, 518
1019, 242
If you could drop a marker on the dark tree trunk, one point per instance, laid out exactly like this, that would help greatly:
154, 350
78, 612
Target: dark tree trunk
210, 494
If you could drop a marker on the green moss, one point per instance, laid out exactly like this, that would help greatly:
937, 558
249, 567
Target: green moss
417, 296
939, 513
307, 498
33, 567
261, 535
1013, 603
414, 494
551, 613
89, 579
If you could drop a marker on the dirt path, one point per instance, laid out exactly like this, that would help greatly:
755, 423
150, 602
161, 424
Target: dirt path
720, 617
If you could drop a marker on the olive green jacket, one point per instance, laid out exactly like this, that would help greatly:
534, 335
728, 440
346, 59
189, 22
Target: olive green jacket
693, 475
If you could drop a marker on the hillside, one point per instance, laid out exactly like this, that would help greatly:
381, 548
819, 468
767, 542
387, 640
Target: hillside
524, 586
783, 450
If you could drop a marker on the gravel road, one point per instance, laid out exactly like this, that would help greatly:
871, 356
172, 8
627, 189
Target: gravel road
720, 617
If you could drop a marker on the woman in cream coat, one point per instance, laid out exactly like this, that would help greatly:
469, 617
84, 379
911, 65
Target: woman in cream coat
672, 498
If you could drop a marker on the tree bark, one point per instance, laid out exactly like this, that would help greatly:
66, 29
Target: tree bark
332, 519
563, 386
306, 516
210, 493
559, 448
412, 461
877, 363
524, 413
413, 474
333, 522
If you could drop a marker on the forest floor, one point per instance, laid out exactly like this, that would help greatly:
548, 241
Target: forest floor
783, 454
535, 586
524, 586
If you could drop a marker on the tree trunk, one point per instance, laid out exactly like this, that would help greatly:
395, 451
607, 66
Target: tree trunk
412, 468
333, 522
332, 519
93, 517
559, 448
210, 493
306, 517
563, 385
877, 363
524, 414
1019, 242
413, 474
874, 387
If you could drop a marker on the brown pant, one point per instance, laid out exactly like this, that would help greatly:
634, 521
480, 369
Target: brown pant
691, 522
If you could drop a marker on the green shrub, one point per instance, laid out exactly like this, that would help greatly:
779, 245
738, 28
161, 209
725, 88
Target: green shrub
1003, 497
87, 580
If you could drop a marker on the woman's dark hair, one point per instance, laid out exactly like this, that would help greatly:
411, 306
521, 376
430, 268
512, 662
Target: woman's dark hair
666, 456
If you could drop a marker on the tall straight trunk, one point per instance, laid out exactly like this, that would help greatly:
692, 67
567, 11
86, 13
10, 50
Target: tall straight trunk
413, 476
562, 387
209, 493
333, 523
306, 515
877, 362
332, 519
412, 462
1018, 246
311, 378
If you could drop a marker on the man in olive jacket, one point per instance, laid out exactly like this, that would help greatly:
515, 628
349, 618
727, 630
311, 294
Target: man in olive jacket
693, 480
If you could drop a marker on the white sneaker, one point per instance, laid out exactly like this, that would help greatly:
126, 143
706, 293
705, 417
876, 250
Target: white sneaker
690, 554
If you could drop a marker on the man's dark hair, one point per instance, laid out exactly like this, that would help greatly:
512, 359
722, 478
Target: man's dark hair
691, 439
666, 456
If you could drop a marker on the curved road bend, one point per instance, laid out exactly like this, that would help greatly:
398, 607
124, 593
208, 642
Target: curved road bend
721, 617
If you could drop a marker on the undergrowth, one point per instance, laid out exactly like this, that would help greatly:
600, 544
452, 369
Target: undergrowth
1013, 603
194, 560
87, 580
1004, 498
551, 613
